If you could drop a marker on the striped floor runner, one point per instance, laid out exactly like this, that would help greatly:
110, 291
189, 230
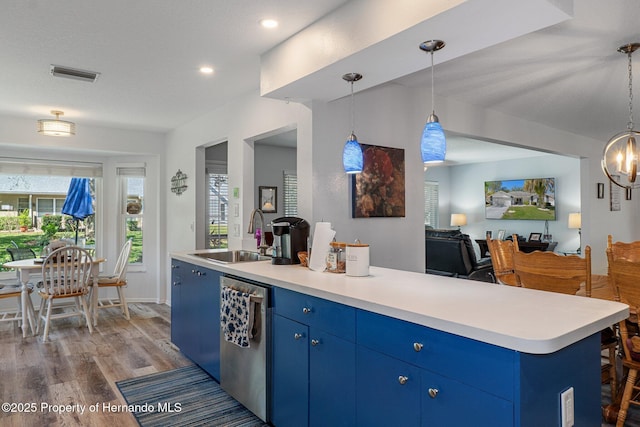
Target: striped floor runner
185, 396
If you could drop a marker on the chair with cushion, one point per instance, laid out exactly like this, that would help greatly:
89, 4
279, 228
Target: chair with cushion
66, 274
15, 291
116, 280
502, 259
624, 275
451, 253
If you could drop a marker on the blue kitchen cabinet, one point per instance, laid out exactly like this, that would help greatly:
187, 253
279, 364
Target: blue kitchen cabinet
290, 372
195, 314
388, 390
412, 375
313, 362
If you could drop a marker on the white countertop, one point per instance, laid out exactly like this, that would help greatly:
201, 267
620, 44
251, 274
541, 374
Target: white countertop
520, 319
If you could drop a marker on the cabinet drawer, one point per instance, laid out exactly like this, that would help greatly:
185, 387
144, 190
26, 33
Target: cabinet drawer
481, 365
337, 319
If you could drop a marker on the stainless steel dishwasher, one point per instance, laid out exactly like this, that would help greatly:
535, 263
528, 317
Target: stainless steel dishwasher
243, 370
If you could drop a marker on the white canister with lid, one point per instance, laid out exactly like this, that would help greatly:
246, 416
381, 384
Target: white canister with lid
357, 259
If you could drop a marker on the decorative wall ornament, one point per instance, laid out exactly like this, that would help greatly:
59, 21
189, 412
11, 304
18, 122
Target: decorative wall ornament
179, 183
601, 190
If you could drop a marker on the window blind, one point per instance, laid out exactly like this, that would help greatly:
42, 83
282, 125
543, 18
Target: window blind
431, 204
290, 190
27, 166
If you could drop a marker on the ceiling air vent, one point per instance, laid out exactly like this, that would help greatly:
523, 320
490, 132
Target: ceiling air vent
74, 73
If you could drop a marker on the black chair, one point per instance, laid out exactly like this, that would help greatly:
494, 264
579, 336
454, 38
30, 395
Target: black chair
20, 253
451, 253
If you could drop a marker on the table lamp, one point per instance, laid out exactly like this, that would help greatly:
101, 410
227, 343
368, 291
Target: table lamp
458, 220
575, 221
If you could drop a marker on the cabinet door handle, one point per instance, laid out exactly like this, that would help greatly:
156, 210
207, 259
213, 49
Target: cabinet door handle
315, 342
306, 310
201, 273
402, 379
433, 392
174, 266
297, 336
176, 283
417, 346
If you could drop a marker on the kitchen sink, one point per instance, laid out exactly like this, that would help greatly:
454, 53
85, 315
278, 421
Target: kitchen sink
232, 257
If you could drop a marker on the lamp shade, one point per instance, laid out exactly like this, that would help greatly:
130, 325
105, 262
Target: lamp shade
575, 220
352, 157
458, 220
433, 144
56, 127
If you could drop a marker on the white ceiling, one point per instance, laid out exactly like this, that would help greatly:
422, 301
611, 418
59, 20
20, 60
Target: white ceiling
568, 76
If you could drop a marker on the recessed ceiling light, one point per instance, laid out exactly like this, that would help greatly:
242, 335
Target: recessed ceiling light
206, 70
269, 23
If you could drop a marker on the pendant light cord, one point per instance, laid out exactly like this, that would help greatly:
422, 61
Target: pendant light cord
433, 99
353, 110
630, 124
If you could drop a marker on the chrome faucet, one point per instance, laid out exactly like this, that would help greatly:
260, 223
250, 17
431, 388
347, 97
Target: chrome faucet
252, 229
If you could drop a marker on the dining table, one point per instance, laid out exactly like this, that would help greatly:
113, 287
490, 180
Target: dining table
25, 269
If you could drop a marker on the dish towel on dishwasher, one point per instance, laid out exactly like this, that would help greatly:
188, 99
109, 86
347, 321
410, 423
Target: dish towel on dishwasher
236, 316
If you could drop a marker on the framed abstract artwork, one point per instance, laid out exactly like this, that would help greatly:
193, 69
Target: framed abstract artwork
379, 191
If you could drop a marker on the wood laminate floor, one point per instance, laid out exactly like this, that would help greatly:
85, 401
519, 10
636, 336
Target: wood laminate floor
78, 368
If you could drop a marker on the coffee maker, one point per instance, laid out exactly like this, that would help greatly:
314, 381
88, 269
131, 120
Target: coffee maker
290, 236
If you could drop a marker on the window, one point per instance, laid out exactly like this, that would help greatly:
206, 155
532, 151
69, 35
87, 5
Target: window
218, 206
47, 206
290, 189
132, 180
23, 203
431, 204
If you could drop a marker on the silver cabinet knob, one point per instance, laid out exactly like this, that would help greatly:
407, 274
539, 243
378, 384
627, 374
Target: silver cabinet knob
200, 273
433, 392
315, 342
176, 283
193, 271
402, 379
417, 346
306, 310
174, 266
297, 336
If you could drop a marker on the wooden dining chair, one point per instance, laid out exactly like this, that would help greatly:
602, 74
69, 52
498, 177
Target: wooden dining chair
548, 271
502, 259
624, 275
66, 273
117, 280
623, 250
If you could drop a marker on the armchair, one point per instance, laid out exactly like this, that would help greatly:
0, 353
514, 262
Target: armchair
451, 253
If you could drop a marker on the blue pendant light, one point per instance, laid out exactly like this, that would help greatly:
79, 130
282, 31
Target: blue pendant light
352, 158
433, 144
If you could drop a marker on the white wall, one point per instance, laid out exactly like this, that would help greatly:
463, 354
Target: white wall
247, 119
269, 166
381, 119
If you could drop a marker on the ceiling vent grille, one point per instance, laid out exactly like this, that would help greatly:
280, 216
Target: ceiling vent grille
74, 73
